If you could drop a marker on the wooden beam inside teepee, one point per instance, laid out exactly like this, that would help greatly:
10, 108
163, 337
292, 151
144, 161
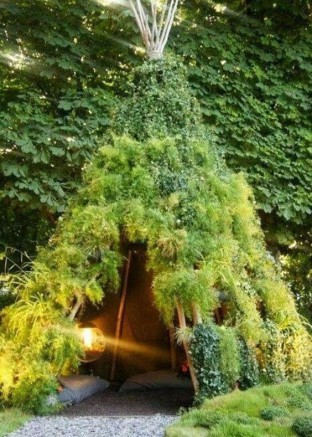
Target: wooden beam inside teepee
155, 25
173, 350
120, 316
182, 323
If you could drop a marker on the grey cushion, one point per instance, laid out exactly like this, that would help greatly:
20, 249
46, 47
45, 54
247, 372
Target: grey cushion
159, 379
78, 387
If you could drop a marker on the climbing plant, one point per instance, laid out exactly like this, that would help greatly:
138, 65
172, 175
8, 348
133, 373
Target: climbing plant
217, 360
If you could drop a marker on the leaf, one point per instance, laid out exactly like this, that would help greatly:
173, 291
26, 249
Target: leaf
66, 105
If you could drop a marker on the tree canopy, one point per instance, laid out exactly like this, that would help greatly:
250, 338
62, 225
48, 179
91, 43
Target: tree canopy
252, 74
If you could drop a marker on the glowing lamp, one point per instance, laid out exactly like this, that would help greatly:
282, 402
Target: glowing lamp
92, 340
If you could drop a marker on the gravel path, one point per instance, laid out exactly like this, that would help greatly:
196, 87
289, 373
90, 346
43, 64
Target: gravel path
57, 426
133, 403
113, 414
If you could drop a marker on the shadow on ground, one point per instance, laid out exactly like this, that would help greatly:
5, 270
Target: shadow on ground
134, 403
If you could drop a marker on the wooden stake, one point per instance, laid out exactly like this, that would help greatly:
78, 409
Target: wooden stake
173, 351
182, 323
197, 318
75, 309
120, 317
218, 316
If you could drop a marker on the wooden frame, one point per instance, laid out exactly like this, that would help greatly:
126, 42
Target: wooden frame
120, 316
182, 323
155, 27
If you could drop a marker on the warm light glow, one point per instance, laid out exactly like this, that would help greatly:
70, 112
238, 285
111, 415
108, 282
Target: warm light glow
87, 338
131, 347
93, 341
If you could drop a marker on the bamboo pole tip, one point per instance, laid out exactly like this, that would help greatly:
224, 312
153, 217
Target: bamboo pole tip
155, 54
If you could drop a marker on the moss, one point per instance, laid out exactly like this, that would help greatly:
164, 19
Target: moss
303, 426
272, 412
10, 420
247, 414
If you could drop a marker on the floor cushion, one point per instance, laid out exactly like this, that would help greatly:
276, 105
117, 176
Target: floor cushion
76, 388
159, 379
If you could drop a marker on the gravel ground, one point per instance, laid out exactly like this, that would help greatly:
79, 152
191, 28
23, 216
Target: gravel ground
133, 403
113, 414
57, 426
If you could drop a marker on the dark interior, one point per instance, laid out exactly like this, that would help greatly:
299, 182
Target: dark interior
145, 341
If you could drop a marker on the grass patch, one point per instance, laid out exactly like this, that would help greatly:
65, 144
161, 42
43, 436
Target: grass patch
10, 420
258, 412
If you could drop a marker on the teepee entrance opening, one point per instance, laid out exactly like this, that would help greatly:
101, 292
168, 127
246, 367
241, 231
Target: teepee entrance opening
137, 339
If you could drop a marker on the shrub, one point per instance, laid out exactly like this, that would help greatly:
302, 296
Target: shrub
36, 390
273, 412
300, 401
205, 350
302, 426
249, 367
306, 389
221, 360
230, 356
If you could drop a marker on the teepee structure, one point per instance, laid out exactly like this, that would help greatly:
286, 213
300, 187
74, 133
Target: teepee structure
158, 183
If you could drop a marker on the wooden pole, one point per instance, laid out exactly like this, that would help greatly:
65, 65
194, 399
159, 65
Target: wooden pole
156, 34
182, 323
173, 351
218, 316
75, 309
197, 318
120, 316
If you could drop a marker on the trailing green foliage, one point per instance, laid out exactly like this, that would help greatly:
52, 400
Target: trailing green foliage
221, 361
250, 373
249, 65
202, 236
230, 358
206, 358
36, 344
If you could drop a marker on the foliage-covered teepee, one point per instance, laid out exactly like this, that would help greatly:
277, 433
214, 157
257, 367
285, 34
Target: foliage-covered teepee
159, 182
